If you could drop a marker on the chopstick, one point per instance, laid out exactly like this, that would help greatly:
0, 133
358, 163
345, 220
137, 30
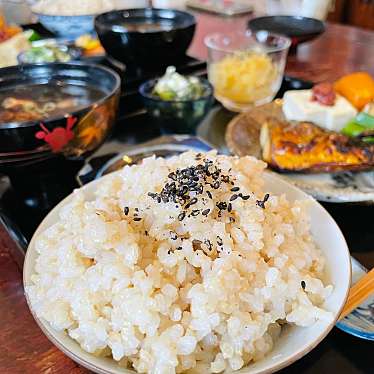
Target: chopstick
359, 293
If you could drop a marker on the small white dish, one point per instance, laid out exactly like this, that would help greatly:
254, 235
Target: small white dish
294, 341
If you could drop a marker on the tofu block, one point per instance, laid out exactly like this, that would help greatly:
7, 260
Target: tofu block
298, 106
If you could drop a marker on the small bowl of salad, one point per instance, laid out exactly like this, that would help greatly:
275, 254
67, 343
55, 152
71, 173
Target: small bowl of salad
44, 51
177, 103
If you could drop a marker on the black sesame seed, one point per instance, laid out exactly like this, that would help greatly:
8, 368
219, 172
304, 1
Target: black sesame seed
209, 194
191, 202
235, 189
233, 197
159, 199
137, 219
195, 212
146, 233
232, 219
205, 212
229, 207
261, 203
303, 285
181, 216
216, 185
221, 205
219, 241
179, 248
169, 251
244, 197
126, 210
208, 243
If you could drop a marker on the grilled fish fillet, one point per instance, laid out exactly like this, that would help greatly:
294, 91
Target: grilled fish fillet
304, 147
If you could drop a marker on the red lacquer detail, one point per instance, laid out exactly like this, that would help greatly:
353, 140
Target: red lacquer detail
59, 136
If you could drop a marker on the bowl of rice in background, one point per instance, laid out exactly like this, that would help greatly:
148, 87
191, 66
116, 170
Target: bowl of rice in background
70, 18
197, 263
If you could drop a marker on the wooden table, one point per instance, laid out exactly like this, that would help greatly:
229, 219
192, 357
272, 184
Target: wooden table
26, 350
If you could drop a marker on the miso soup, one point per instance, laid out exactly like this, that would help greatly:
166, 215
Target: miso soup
38, 102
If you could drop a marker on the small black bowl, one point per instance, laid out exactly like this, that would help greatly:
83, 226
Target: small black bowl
299, 29
73, 135
163, 40
177, 116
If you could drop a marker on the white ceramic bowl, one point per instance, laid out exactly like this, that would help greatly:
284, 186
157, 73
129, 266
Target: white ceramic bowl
294, 341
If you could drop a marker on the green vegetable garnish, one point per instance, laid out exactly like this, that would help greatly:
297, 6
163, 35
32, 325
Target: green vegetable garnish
353, 129
365, 120
368, 139
360, 124
166, 95
34, 36
46, 53
174, 86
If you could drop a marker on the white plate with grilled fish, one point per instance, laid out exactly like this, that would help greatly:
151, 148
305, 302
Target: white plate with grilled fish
327, 165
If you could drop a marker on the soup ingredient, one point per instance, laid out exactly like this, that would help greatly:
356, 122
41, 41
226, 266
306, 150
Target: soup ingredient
244, 77
48, 53
73, 7
44, 101
174, 86
304, 147
172, 272
299, 106
324, 94
11, 48
357, 88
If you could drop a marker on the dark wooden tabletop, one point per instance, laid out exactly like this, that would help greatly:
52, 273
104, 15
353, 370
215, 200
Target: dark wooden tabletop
25, 350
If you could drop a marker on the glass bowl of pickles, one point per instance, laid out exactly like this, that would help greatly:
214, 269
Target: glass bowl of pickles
246, 68
177, 103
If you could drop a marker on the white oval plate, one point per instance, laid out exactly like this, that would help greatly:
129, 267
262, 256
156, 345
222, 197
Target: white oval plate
294, 341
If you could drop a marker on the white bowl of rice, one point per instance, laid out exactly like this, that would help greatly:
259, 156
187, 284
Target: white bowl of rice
71, 18
193, 264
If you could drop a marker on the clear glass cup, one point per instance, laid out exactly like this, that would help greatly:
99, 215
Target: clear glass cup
246, 68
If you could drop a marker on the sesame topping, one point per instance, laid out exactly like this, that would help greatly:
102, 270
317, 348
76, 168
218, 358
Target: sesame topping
205, 212
261, 203
184, 187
